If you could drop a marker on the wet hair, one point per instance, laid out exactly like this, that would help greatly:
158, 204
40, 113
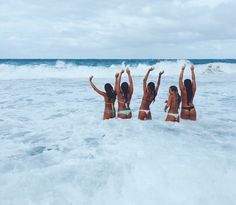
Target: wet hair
175, 89
125, 90
109, 91
151, 87
189, 90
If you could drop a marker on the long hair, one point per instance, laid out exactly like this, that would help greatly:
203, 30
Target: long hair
125, 90
175, 89
151, 87
189, 90
109, 91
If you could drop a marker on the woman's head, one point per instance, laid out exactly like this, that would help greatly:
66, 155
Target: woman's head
109, 91
125, 90
125, 87
187, 83
151, 86
174, 90
189, 90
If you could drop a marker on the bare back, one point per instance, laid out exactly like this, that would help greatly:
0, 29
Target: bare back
147, 100
184, 98
174, 104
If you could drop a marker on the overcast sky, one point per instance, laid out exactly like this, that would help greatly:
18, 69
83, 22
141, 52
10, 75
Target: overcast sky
117, 29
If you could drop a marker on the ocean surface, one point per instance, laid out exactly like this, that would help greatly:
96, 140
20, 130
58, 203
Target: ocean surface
56, 149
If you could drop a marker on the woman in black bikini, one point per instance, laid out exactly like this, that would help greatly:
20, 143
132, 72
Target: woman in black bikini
109, 98
124, 93
149, 95
188, 89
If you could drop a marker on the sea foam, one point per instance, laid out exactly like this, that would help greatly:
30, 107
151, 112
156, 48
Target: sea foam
56, 149
69, 70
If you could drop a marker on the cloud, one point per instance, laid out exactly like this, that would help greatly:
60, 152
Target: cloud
117, 29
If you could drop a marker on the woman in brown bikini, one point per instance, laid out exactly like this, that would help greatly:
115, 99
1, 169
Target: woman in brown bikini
109, 98
149, 95
124, 93
172, 103
188, 89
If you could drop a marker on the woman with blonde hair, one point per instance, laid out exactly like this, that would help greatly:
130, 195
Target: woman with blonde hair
149, 94
173, 103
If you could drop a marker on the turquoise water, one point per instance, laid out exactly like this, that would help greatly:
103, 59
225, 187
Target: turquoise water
108, 62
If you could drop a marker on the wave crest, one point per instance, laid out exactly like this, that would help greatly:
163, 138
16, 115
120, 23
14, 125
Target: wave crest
63, 69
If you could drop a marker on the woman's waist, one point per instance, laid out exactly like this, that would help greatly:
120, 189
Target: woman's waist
121, 101
173, 111
188, 105
123, 108
185, 101
144, 106
109, 106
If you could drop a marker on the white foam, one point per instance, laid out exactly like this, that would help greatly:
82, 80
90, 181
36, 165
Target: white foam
55, 148
67, 70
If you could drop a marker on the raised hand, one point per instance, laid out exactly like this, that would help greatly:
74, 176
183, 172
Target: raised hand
117, 75
161, 72
128, 71
151, 69
192, 67
122, 71
183, 67
90, 78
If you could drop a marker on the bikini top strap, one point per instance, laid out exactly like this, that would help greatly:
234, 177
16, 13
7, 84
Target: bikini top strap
126, 104
112, 105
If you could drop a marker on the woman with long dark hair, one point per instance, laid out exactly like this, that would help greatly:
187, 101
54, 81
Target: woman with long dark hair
173, 103
188, 89
149, 95
124, 93
109, 98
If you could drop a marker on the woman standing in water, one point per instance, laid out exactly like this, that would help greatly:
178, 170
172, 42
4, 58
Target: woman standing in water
109, 98
124, 93
188, 89
173, 103
149, 95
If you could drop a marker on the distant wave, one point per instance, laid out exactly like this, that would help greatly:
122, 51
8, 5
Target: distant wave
107, 62
38, 69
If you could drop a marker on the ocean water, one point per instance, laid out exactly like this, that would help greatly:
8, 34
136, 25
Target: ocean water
56, 149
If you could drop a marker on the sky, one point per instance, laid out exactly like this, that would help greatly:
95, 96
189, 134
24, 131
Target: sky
118, 29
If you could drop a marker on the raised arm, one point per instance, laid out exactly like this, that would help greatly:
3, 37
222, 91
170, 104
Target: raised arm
95, 88
131, 87
118, 82
181, 84
194, 87
159, 81
145, 79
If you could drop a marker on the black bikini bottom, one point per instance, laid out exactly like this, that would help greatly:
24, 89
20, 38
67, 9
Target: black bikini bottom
188, 108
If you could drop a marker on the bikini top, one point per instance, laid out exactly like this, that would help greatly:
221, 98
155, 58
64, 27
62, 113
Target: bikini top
123, 102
